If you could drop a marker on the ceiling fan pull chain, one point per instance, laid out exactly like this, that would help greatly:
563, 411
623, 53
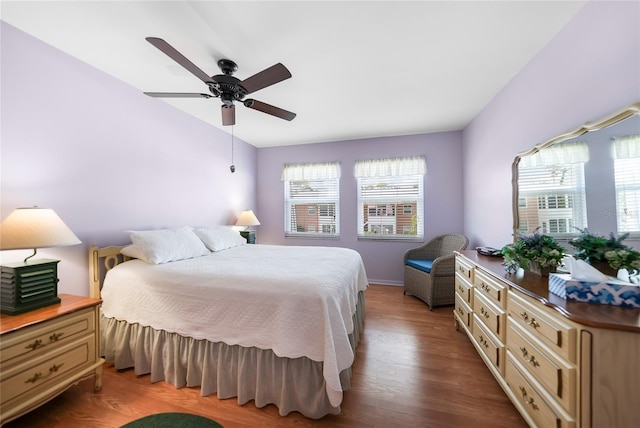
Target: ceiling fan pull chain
232, 167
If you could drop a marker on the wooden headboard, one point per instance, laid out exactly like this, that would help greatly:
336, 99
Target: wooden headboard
100, 261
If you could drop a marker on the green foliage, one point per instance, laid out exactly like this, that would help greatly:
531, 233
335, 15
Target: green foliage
594, 248
628, 259
534, 248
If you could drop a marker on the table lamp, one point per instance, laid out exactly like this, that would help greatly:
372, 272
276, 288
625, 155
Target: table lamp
31, 284
248, 218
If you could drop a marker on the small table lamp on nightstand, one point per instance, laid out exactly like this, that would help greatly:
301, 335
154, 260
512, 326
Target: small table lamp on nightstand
248, 218
31, 284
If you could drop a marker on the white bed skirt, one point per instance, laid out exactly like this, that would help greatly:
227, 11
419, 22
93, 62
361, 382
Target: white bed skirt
230, 371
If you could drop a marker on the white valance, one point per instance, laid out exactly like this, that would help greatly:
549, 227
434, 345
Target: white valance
627, 147
310, 171
412, 165
558, 154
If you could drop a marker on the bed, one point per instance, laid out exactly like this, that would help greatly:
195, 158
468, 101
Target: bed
274, 324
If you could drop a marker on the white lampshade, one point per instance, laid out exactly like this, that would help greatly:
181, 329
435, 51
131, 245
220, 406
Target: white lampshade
247, 218
32, 228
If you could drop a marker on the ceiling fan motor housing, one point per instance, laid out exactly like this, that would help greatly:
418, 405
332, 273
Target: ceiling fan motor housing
226, 86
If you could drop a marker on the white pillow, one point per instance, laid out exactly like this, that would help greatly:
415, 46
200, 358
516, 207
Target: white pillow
219, 237
134, 252
167, 245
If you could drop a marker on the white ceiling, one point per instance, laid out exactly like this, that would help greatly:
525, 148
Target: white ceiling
360, 68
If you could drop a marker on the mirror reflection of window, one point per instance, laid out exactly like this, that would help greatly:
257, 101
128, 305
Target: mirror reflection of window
551, 189
627, 178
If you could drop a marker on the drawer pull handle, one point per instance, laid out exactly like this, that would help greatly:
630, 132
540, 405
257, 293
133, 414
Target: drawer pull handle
483, 341
528, 400
484, 312
534, 362
35, 345
460, 311
36, 377
55, 337
524, 351
525, 317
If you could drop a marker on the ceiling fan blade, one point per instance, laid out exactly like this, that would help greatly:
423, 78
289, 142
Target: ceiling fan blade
228, 115
179, 58
269, 109
267, 77
177, 95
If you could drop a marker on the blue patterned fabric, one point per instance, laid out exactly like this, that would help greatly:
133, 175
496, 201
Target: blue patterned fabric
612, 292
423, 265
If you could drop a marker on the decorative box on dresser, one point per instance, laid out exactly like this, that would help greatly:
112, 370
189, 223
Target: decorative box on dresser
562, 363
45, 351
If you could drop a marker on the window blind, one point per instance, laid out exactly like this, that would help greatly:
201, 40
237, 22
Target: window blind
552, 196
312, 199
627, 182
390, 198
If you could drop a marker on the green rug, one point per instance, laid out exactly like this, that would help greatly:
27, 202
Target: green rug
173, 420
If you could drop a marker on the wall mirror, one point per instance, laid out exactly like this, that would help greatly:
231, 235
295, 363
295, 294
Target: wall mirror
589, 178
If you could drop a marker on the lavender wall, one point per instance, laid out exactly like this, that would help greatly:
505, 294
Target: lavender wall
588, 71
383, 260
105, 157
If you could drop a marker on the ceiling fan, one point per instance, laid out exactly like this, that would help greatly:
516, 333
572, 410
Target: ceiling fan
225, 86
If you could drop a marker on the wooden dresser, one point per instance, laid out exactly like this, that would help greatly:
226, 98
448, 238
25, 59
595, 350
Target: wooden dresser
45, 351
562, 363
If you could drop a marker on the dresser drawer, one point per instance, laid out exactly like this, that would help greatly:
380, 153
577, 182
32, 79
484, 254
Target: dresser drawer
39, 338
491, 315
558, 335
464, 269
463, 312
532, 401
464, 288
490, 346
493, 289
47, 369
556, 375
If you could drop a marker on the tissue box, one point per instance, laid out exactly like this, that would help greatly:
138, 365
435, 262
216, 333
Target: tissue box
611, 292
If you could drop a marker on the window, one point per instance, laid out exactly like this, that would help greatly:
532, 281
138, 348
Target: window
390, 198
524, 227
551, 190
557, 226
311, 199
627, 178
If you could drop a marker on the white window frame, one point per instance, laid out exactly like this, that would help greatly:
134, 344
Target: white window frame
401, 182
323, 182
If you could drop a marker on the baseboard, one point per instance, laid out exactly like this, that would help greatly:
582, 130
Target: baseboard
383, 282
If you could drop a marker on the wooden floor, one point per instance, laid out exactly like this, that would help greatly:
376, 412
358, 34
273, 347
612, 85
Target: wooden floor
412, 369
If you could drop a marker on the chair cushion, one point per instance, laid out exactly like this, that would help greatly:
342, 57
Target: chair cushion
423, 265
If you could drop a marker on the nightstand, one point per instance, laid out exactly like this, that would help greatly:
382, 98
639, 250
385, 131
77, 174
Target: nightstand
46, 351
249, 235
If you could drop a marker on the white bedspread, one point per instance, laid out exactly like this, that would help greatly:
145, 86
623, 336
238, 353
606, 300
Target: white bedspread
296, 301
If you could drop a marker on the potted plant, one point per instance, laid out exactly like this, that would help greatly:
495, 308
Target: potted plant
628, 259
537, 252
607, 254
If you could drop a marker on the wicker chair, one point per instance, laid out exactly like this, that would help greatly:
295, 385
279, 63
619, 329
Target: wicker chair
437, 287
